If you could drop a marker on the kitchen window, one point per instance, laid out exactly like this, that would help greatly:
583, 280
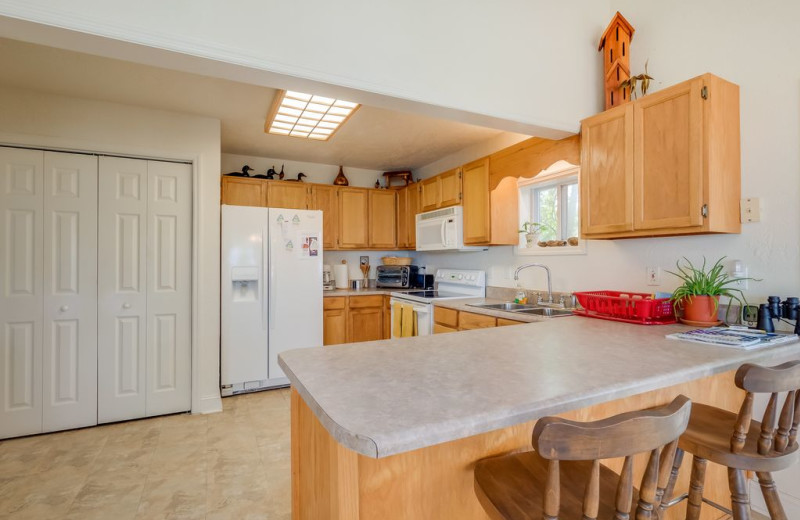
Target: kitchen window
552, 200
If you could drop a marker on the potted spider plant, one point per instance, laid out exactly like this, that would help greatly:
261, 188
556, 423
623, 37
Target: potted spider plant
532, 230
701, 289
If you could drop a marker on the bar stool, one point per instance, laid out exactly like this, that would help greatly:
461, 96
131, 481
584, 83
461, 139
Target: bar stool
563, 477
741, 444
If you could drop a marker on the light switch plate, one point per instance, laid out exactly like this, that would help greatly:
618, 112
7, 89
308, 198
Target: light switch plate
750, 210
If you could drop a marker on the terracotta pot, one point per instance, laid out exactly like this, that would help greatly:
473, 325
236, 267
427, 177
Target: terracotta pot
701, 308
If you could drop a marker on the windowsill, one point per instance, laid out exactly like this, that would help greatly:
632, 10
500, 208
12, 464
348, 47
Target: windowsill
580, 249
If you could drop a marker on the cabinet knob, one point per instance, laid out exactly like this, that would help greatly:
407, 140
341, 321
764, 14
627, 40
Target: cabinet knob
126, 305
64, 308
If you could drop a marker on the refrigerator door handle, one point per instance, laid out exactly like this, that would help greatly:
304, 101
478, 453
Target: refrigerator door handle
264, 260
273, 293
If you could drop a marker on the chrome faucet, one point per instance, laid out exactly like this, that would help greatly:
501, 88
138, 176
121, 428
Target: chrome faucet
546, 269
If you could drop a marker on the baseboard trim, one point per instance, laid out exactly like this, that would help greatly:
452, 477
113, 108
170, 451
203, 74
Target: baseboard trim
211, 404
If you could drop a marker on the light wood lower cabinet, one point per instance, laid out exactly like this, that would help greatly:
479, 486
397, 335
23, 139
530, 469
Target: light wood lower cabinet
351, 319
387, 317
450, 320
365, 318
334, 320
471, 320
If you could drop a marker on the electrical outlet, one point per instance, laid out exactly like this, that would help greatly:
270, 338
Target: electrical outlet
653, 275
750, 314
739, 270
363, 260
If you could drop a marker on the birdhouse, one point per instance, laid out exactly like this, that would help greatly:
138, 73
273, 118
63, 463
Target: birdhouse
615, 46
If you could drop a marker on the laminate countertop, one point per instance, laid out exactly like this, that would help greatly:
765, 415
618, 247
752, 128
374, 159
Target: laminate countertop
386, 397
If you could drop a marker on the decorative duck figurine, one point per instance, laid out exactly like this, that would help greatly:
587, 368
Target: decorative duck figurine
242, 173
299, 178
280, 175
271, 173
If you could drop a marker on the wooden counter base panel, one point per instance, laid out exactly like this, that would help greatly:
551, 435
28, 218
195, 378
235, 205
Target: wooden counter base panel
330, 481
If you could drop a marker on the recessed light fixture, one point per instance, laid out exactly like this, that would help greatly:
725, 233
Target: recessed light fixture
307, 116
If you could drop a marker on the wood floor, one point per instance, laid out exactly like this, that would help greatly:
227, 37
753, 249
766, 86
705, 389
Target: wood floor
234, 464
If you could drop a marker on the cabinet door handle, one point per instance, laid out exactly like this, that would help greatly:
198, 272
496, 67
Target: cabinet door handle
64, 308
126, 305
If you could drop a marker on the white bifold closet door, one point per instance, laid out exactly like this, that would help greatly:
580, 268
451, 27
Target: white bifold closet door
144, 276
48, 291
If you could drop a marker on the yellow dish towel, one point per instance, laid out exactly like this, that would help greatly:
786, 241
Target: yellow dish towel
407, 321
397, 316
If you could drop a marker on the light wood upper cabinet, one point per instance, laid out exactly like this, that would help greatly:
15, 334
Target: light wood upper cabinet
475, 180
441, 191
407, 209
666, 164
383, 219
241, 191
450, 188
353, 218
668, 157
430, 193
411, 210
291, 195
402, 221
607, 172
324, 198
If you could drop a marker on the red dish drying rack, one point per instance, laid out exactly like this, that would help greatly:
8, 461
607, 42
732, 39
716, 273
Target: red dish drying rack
629, 307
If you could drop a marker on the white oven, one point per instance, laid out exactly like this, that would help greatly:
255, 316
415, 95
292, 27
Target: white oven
448, 284
422, 314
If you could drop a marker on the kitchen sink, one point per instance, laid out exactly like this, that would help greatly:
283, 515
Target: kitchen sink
508, 306
548, 312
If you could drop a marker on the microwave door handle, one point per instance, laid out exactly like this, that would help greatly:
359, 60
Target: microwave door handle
444, 233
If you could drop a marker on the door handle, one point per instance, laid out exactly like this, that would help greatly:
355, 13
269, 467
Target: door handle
444, 233
64, 308
126, 305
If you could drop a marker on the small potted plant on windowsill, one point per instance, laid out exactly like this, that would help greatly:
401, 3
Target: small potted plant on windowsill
532, 230
699, 294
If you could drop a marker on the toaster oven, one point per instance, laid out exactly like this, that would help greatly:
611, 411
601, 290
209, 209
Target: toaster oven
397, 276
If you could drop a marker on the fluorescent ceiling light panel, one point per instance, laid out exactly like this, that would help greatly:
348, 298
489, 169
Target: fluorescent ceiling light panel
307, 116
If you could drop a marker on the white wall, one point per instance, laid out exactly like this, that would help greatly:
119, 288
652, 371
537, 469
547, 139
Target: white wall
682, 40
319, 173
49, 121
529, 62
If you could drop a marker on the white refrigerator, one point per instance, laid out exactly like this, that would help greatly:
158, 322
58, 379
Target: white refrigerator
271, 292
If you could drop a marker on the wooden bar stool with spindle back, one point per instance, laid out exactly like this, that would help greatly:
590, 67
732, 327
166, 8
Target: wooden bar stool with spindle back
563, 477
741, 444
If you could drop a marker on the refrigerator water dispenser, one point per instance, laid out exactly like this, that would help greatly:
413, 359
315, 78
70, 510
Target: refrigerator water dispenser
245, 284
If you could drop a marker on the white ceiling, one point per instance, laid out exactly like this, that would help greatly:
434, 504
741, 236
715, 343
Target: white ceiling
373, 138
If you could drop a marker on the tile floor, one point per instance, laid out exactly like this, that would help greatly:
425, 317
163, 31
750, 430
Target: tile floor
234, 464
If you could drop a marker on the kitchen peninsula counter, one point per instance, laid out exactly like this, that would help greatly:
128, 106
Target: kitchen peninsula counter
405, 419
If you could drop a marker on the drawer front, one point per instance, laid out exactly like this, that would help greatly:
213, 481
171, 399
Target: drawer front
333, 302
469, 320
366, 301
447, 317
502, 322
441, 329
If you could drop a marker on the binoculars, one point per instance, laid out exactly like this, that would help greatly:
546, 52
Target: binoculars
775, 308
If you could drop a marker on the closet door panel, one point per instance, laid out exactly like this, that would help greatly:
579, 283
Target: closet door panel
21, 209
70, 291
122, 291
169, 291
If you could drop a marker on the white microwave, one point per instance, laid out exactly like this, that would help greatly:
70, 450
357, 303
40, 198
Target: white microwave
442, 230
